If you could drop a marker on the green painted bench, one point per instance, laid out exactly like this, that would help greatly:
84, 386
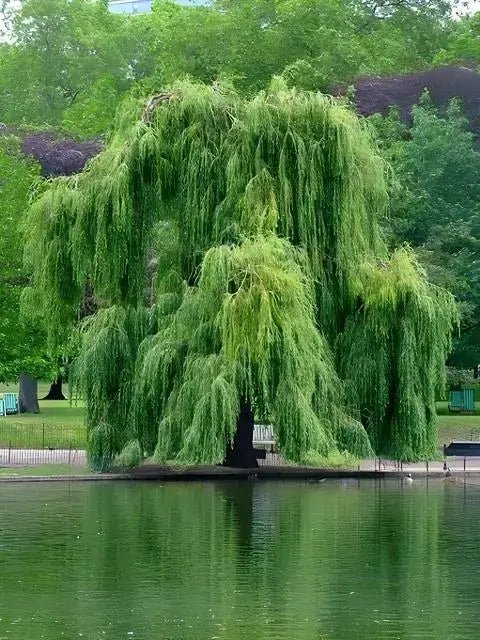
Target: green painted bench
462, 401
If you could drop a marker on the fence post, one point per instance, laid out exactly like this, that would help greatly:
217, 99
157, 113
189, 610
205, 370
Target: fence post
43, 435
69, 452
9, 451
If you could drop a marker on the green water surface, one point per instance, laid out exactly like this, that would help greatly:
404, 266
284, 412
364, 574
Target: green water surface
253, 560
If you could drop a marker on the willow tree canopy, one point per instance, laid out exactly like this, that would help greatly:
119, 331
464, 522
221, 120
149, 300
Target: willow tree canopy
235, 252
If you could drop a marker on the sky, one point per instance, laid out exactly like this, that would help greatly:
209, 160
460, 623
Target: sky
472, 5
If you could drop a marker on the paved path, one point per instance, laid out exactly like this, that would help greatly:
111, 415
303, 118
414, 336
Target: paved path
27, 457
472, 465
455, 464
78, 457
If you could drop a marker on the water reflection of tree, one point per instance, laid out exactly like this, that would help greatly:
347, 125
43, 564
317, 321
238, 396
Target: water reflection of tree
305, 575
236, 560
460, 545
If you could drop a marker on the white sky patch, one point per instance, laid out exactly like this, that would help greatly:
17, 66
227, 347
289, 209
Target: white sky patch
469, 6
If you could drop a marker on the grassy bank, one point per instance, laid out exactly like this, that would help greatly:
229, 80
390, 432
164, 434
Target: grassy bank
44, 470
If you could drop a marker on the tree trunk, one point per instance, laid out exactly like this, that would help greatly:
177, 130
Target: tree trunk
28, 394
55, 392
239, 503
242, 454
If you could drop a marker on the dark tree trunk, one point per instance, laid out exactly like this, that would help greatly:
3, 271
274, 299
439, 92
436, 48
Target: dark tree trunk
28, 394
241, 453
56, 392
239, 503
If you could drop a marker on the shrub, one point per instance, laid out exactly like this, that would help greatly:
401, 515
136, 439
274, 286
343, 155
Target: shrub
130, 456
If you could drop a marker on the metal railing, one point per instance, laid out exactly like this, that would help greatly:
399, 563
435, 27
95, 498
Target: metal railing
41, 443
36, 443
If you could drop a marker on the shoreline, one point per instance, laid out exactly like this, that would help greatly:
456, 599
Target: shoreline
200, 473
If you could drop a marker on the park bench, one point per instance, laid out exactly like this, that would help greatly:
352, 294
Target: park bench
461, 449
263, 434
11, 403
263, 437
462, 400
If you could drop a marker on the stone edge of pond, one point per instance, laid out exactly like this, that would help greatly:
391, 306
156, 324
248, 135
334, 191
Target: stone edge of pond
222, 473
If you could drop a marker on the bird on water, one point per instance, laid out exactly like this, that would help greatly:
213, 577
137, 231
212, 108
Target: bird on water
408, 478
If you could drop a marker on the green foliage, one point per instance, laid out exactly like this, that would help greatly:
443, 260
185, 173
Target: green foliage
130, 456
435, 196
272, 281
66, 64
91, 113
335, 460
318, 44
436, 164
463, 45
22, 341
395, 380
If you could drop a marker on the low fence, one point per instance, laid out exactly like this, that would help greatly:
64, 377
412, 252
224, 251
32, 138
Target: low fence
29, 457
25, 443
35, 443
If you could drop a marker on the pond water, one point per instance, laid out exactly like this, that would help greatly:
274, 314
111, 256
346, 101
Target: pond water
342, 560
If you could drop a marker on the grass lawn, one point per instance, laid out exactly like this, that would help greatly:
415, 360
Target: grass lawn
457, 426
59, 424
20, 434
53, 412
12, 387
43, 470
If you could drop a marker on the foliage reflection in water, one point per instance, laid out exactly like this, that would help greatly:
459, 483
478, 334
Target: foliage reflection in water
264, 560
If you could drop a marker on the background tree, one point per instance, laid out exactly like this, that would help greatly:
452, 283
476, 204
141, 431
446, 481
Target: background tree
67, 63
435, 206
319, 43
23, 351
463, 45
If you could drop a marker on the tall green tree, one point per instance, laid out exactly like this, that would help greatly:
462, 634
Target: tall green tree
66, 64
23, 350
463, 45
235, 250
435, 206
319, 43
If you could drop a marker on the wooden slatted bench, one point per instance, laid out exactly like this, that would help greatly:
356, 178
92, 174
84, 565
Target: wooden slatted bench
263, 437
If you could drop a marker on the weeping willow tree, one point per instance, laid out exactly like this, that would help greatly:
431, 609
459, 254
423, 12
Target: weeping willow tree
235, 254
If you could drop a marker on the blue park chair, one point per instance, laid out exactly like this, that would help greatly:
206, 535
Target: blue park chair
2, 407
11, 403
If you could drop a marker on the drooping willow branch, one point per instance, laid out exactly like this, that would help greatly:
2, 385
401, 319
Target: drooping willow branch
272, 282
